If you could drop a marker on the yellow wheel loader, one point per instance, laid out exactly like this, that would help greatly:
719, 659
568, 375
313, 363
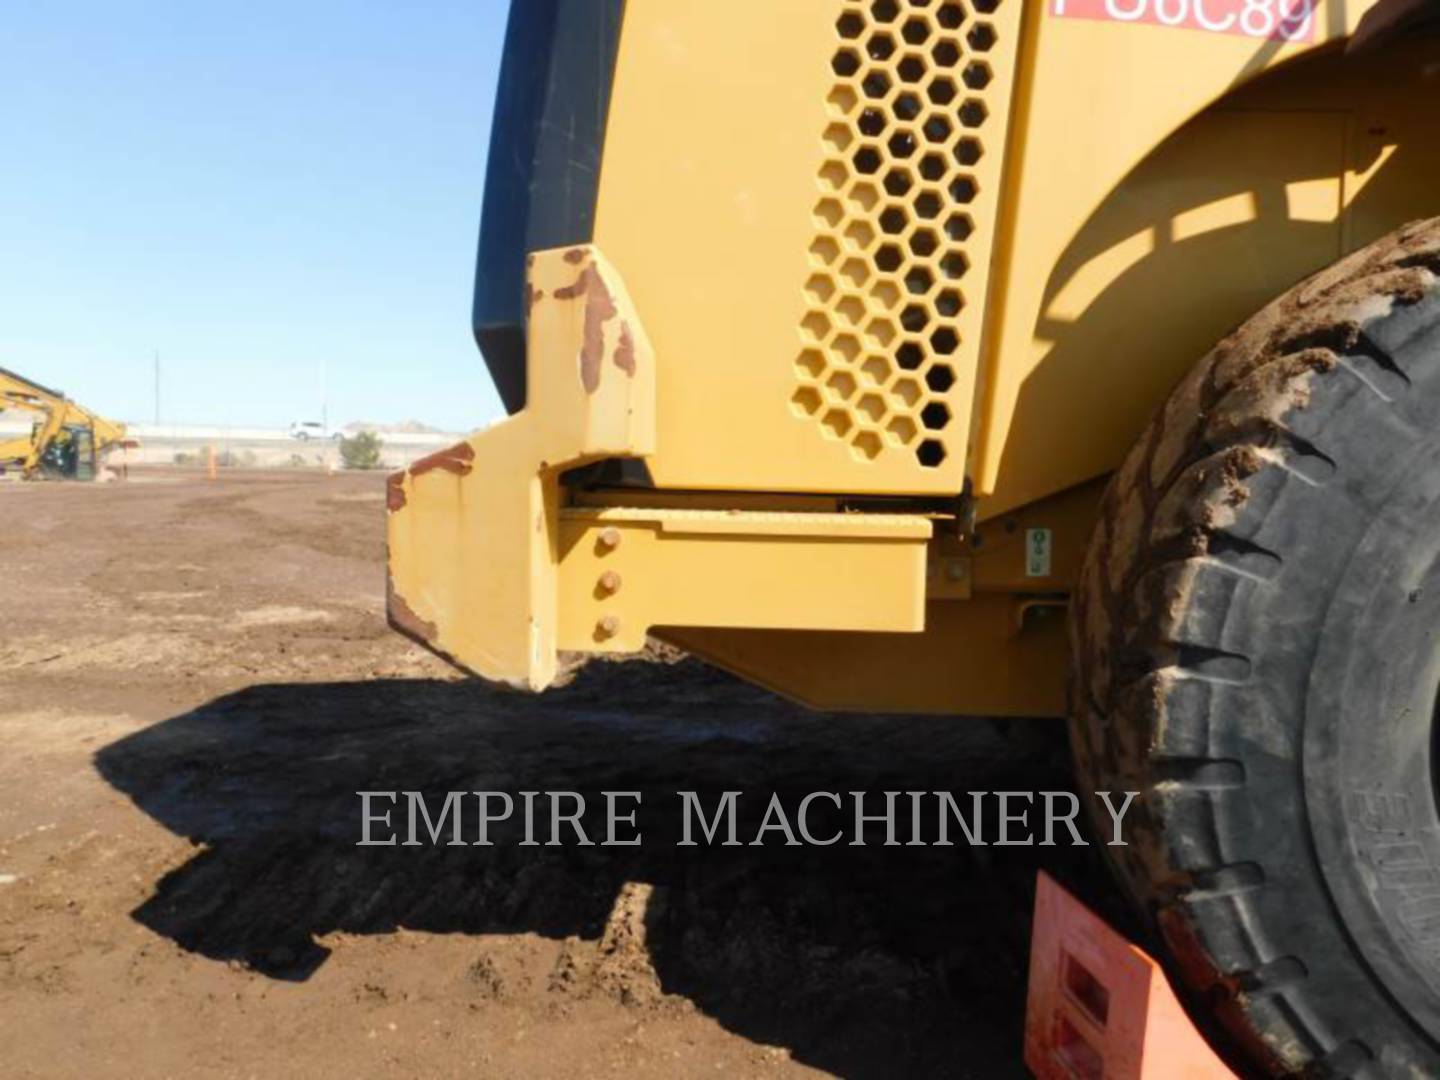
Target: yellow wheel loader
65, 441
885, 353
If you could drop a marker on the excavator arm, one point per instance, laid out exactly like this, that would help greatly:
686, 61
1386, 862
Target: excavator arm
57, 417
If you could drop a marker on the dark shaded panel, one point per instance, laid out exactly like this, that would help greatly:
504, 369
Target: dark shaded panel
544, 170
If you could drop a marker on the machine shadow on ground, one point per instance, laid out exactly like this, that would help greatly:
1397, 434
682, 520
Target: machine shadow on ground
856, 959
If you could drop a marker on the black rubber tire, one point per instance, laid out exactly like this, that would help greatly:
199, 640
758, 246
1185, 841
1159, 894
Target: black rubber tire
1256, 643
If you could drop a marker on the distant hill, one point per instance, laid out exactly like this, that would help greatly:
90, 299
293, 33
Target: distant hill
405, 427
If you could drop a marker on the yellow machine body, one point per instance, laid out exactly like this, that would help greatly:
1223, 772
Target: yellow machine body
57, 423
878, 294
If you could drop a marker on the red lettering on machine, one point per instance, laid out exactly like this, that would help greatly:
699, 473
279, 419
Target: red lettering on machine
1271, 20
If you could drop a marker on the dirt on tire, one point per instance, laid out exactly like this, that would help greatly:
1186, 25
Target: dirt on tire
1178, 539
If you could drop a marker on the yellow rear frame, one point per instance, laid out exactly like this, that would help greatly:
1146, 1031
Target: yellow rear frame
873, 480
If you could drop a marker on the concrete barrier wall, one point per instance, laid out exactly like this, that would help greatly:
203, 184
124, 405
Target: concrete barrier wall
193, 433
172, 444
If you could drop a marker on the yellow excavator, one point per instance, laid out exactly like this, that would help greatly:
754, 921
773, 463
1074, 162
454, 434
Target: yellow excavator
66, 440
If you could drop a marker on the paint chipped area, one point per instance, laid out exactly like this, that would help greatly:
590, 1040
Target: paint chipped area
457, 460
625, 351
395, 492
404, 618
600, 311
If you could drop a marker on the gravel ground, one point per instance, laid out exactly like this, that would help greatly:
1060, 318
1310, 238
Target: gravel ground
196, 678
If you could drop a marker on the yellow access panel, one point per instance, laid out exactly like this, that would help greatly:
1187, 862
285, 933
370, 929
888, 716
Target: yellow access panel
802, 197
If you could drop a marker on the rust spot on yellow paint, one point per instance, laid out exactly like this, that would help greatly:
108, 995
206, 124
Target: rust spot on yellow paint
395, 492
534, 297
575, 256
453, 459
599, 309
577, 288
404, 619
625, 351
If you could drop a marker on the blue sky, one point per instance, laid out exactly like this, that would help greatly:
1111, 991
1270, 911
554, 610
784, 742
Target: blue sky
279, 197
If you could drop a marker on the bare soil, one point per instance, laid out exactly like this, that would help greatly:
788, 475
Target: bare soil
196, 678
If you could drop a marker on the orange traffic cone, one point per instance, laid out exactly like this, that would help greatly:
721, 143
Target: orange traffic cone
1100, 1008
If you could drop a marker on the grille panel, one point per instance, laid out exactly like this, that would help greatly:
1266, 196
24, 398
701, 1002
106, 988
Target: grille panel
903, 217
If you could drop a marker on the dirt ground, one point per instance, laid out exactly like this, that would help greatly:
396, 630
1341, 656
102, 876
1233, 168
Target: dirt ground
196, 678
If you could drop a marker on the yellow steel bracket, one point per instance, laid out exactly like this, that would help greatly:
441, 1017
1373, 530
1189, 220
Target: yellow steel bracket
627, 570
474, 529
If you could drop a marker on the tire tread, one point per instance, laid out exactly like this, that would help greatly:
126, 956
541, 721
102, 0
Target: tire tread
1183, 512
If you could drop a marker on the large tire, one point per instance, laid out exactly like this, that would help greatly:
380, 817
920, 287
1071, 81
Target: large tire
1257, 652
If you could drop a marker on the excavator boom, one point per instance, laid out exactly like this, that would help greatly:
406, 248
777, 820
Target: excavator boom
65, 439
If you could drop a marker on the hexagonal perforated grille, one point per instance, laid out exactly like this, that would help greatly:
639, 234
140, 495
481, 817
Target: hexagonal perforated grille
886, 326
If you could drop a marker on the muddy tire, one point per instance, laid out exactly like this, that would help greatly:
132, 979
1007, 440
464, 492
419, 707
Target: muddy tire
1257, 653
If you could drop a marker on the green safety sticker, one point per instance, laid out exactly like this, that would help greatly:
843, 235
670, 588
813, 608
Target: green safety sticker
1037, 552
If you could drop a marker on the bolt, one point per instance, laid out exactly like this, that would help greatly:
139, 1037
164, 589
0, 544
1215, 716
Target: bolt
955, 570
609, 626
610, 581
610, 538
